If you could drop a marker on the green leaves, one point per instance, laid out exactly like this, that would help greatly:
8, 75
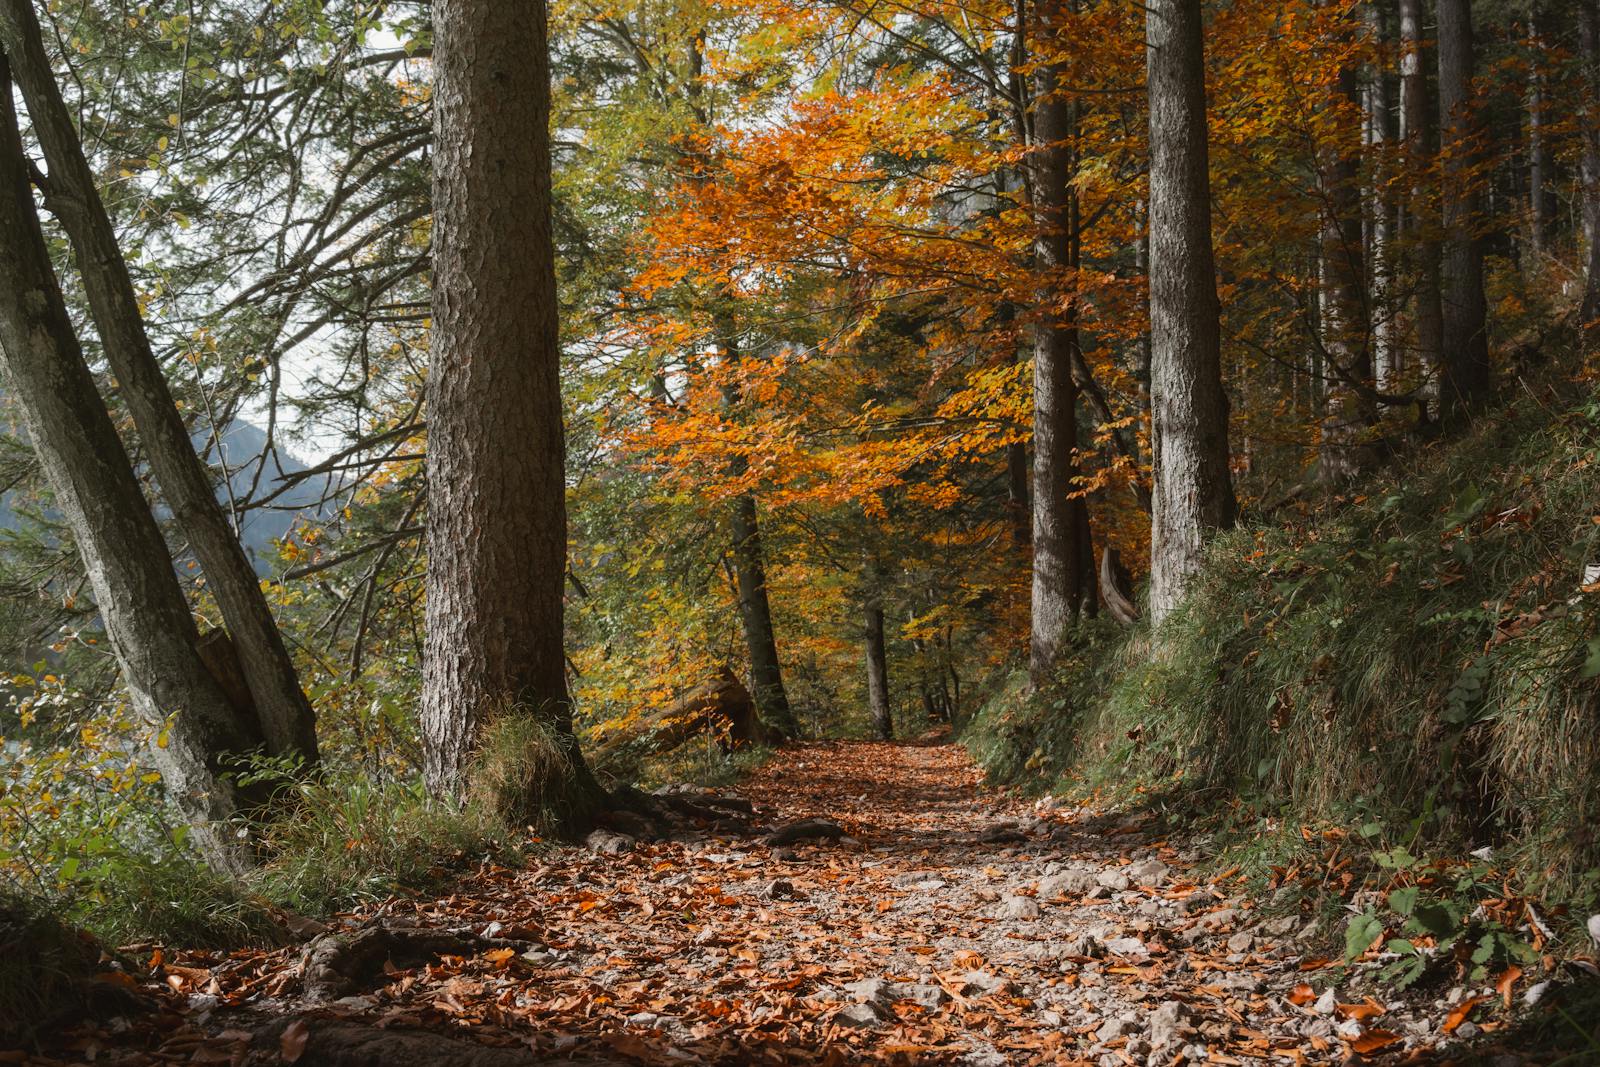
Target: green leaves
1362, 933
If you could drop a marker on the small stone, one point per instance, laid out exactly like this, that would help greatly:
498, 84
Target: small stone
1113, 879
1126, 946
868, 990
1169, 1024
608, 843
1112, 1029
1074, 882
982, 983
923, 994
1326, 1003
1467, 1031
1535, 993
643, 1018
858, 1015
1150, 872
1241, 942
1024, 908
1082, 946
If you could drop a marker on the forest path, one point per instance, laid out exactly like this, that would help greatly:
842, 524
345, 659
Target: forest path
953, 925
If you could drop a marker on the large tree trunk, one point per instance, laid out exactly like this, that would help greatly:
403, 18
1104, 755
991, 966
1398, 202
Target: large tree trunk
1589, 46
1348, 415
1189, 410
1060, 581
129, 568
287, 721
497, 529
1464, 373
1422, 224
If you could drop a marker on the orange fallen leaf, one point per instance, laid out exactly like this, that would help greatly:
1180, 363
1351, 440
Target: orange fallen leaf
500, 956
1373, 1040
1504, 984
1315, 964
1302, 994
1371, 1009
1459, 1015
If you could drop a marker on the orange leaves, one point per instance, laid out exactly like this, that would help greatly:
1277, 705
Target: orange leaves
1460, 1013
1372, 1041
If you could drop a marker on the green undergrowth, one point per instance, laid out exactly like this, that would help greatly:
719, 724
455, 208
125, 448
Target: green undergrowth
1413, 667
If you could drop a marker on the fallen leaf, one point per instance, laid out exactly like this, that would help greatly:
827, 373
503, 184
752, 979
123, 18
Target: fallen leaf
1372, 1040
1459, 1015
1302, 994
292, 1042
1371, 1009
1507, 981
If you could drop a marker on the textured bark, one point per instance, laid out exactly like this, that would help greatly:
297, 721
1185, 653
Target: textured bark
1464, 372
275, 696
1542, 204
497, 529
1422, 224
129, 569
1589, 47
1386, 355
1061, 583
750, 575
1347, 415
755, 614
877, 667
1193, 493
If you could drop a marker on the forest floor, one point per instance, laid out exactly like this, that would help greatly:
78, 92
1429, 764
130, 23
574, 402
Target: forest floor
952, 924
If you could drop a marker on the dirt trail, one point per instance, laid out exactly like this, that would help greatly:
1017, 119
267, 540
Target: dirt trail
952, 925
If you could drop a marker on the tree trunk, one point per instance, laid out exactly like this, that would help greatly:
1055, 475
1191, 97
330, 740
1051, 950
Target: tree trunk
755, 615
497, 529
1386, 361
1348, 415
1189, 410
877, 665
141, 605
287, 721
1416, 118
1059, 578
1589, 46
750, 570
1464, 377
1541, 187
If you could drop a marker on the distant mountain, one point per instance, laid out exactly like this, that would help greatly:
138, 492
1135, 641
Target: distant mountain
240, 449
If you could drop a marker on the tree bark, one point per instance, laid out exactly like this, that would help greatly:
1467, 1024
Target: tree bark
287, 720
497, 529
1193, 494
1589, 48
1347, 416
1416, 118
750, 570
877, 665
195, 729
1060, 581
1386, 355
1541, 188
1464, 374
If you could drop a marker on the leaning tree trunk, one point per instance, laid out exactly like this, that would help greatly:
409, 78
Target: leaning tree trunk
1348, 414
1416, 120
1193, 494
1589, 46
287, 721
129, 568
497, 529
1464, 374
1060, 581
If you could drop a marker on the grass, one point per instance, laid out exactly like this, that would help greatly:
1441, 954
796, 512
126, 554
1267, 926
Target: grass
44, 970
1418, 662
